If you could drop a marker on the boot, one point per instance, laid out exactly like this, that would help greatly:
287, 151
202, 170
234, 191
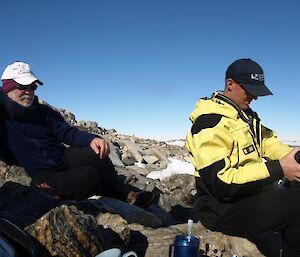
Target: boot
141, 199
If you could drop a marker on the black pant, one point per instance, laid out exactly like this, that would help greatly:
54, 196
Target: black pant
269, 212
83, 174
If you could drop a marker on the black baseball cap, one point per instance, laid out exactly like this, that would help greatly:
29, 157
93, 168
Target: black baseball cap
250, 75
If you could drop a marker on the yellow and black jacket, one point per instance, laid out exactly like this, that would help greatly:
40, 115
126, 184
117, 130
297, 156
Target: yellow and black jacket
233, 154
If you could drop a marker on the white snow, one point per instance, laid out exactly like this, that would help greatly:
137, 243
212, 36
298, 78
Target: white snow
179, 142
174, 167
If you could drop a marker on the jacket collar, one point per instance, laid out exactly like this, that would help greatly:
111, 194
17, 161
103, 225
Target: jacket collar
242, 114
17, 111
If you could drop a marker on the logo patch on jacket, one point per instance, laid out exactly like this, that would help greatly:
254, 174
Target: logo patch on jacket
248, 149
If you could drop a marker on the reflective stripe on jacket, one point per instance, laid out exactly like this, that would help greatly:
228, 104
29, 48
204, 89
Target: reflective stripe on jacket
233, 154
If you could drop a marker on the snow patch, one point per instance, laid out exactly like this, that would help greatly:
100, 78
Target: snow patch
174, 167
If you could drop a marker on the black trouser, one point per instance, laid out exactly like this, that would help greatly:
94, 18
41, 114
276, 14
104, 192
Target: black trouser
259, 215
83, 174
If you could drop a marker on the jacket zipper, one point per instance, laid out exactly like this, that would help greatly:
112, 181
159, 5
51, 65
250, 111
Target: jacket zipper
244, 117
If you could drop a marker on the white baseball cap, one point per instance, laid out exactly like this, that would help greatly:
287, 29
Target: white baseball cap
21, 73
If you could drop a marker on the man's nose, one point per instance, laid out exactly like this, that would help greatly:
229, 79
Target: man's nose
252, 97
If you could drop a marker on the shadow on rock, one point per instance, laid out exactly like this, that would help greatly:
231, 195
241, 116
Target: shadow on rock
182, 214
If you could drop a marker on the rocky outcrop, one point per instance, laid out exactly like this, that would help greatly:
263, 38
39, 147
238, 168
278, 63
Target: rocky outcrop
91, 226
13, 173
65, 231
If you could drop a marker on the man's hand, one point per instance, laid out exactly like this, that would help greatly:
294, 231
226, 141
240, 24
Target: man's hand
100, 146
290, 167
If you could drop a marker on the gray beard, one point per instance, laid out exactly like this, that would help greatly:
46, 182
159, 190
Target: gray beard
26, 104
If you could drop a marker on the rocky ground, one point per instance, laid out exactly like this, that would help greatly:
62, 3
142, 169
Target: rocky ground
72, 229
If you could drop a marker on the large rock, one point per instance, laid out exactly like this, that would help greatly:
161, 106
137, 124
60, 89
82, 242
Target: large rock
150, 159
115, 154
117, 224
67, 232
13, 173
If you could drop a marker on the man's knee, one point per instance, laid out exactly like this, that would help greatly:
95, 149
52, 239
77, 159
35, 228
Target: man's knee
85, 156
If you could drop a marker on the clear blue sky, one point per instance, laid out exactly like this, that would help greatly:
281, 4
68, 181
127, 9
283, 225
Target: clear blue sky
139, 66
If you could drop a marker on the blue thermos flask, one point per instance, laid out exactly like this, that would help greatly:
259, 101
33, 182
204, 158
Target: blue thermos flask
184, 246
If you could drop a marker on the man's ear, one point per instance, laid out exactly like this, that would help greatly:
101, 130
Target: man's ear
229, 84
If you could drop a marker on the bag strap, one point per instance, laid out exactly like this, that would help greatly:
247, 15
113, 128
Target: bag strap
13, 233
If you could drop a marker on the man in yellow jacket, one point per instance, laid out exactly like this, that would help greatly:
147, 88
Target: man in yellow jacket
238, 163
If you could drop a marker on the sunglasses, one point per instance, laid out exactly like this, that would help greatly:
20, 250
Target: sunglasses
27, 87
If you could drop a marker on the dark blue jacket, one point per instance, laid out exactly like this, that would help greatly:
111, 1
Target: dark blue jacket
34, 137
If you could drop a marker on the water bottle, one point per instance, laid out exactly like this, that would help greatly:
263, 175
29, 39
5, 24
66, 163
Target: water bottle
185, 245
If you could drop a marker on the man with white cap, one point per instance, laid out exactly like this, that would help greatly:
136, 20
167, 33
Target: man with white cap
34, 136
237, 190
19, 76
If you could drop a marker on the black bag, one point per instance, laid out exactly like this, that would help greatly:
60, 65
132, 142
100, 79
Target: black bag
23, 205
14, 242
6, 249
20, 206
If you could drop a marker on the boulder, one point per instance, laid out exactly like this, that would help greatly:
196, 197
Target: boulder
13, 173
67, 232
150, 159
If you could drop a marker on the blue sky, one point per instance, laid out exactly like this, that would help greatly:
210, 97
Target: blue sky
140, 66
